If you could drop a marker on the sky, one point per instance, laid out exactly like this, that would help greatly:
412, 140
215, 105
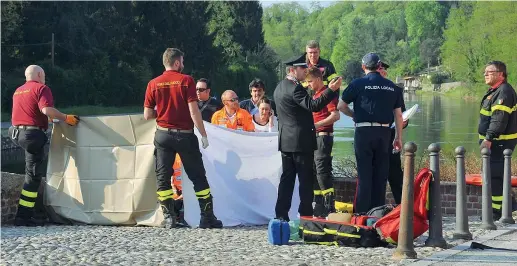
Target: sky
304, 3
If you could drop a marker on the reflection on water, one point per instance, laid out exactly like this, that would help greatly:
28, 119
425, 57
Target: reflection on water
451, 122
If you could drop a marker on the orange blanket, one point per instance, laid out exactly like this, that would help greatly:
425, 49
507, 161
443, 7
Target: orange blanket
476, 180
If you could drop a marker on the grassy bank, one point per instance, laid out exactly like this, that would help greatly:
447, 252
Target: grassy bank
470, 92
90, 110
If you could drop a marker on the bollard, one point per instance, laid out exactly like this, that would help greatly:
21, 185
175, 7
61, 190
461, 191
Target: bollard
435, 238
487, 219
462, 221
506, 215
405, 249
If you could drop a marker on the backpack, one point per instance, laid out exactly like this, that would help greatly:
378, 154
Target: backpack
388, 226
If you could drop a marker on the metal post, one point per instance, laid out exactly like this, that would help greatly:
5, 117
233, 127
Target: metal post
462, 221
52, 49
487, 220
405, 249
435, 238
506, 216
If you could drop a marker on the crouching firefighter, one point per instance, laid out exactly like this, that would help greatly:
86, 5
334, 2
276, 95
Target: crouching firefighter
174, 96
33, 105
324, 123
497, 126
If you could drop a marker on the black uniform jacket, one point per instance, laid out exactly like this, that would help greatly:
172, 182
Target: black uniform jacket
498, 114
294, 112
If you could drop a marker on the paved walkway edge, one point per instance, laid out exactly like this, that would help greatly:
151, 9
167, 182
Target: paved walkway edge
442, 255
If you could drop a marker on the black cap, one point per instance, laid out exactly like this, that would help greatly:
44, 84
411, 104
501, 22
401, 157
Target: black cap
384, 65
297, 61
371, 60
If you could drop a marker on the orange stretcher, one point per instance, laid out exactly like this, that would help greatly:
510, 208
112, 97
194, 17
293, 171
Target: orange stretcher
476, 180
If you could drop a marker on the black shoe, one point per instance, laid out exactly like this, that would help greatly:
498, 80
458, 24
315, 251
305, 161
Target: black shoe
208, 219
22, 221
319, 211
169, 215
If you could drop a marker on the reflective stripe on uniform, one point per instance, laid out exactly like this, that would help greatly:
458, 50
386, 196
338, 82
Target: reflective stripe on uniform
27, 203
497, 198
503, 108
317, 192
203, 194
29, 194
326, 191
502, 137
165, 194
496, 206
485, 112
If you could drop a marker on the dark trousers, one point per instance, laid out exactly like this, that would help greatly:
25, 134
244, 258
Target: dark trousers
33, 142
371, 152
497, 171
395, 175
295, 163
323, 163
167, 144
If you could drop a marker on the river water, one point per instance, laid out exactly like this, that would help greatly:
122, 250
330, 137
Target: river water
451, 122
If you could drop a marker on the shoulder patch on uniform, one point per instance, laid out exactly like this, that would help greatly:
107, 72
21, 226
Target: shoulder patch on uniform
500, 101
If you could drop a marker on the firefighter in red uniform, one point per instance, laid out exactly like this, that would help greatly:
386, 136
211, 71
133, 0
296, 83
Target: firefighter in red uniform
174, 96
324, 123
33, 105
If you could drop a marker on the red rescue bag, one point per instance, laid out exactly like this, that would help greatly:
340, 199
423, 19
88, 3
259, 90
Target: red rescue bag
388, 226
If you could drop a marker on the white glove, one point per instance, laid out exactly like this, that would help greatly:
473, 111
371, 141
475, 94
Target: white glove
204, 142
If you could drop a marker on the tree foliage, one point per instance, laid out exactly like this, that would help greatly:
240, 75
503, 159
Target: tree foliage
106, 52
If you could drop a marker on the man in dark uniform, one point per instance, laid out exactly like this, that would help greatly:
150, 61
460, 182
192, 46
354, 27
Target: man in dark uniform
207, 105
497, 126
174, 96
377, 102
395, 175
312, 58
33, 105
257, 91
297, 136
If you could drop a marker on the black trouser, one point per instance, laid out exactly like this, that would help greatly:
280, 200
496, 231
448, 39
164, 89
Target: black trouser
33, 142
497, 170
395, 175
323, 165
295, 163
167, 144
371, 152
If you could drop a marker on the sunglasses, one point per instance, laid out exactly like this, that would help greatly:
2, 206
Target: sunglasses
201, 89
236, 99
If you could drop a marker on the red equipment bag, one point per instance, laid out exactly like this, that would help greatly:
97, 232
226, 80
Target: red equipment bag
388, 226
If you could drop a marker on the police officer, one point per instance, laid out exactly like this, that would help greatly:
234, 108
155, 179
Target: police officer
377, 102
174, 96
497, 126
297, 136
33, 105
395, 175
207, 105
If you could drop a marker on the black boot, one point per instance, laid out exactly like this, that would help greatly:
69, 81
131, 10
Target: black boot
319, 207
168, 213
208, 219
25, 217
330, 204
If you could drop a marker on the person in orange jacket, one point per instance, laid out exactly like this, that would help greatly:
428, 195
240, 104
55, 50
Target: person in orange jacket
178, 192
231, 115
